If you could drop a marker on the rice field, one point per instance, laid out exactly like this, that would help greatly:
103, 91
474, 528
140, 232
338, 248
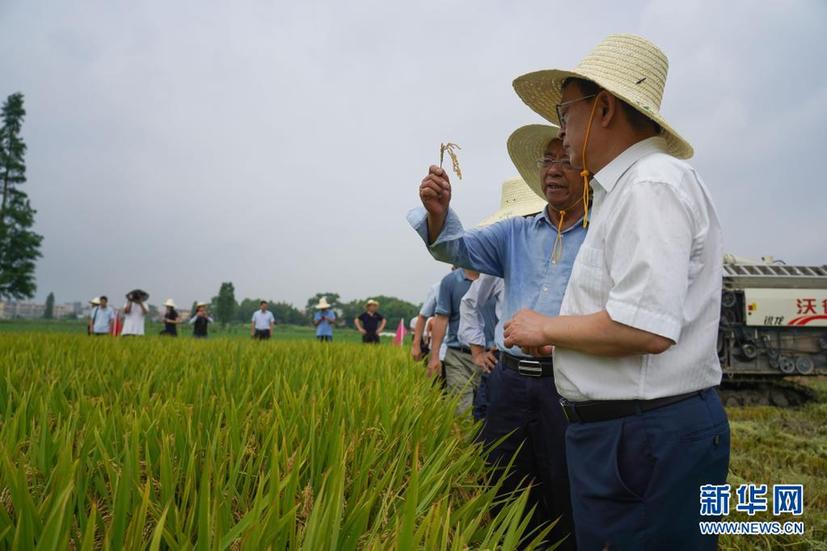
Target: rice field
233, 444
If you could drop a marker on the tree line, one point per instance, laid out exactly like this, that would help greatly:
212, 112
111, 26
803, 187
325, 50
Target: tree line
228, 310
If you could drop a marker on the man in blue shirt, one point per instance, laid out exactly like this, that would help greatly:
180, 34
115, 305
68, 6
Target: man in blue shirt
534, 256
101, 318
461, 374
323, 320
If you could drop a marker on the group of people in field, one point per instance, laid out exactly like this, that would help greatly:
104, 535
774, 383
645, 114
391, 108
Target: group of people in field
130, 320
579, 322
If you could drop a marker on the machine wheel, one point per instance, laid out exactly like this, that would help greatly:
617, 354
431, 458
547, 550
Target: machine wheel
786, 364
728, 299
804, 365
749, 351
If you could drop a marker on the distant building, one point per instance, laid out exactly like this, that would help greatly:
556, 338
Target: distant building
32, 310
21, 310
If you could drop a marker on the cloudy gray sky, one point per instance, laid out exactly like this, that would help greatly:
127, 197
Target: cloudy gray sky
278, 145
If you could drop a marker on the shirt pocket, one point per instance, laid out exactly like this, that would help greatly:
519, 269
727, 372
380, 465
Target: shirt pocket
589, 274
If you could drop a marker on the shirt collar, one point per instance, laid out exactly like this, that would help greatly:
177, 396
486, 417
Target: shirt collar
608, 176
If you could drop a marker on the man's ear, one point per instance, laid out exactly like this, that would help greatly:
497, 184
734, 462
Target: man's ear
607, 108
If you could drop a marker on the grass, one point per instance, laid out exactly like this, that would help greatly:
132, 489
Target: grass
216, 330
231, 444
782, 446
176, 443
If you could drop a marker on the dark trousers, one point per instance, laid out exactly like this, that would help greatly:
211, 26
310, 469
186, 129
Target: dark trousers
370, 338
526, 411
324, 338
636, 480
262, 334
479, 409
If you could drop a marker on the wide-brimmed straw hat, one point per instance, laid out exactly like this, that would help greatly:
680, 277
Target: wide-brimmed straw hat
372, 302
627, 66
526, 146
95, 301
170, 303
516, 199
323, 304
200, 304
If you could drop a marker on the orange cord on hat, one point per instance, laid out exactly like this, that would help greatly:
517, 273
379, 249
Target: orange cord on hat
585, 172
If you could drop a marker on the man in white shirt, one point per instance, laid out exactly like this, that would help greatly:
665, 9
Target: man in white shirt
477, 327
261, 326
635, 343
134, 314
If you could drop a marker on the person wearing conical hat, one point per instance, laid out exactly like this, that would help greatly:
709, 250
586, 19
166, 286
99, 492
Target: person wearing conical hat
171, 319
323, 320
635, 345
370, 323
134, 313
534, 256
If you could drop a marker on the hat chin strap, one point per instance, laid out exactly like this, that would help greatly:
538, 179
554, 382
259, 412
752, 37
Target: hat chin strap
585, 172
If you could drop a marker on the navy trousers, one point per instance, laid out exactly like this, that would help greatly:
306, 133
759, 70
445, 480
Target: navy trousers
480, 409
526, 412
636, 480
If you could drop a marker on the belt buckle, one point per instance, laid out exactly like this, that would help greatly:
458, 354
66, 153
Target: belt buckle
530, 368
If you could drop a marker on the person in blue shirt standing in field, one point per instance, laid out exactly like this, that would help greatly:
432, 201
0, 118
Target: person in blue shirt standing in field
323, 320
534, 256
101, 318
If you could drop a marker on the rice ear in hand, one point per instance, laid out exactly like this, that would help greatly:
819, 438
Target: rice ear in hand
449, 148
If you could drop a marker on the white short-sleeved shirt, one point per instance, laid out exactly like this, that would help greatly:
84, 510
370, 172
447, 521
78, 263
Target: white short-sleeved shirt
133, 322
263, 319
653, 260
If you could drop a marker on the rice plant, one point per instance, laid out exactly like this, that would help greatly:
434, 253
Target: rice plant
182, 444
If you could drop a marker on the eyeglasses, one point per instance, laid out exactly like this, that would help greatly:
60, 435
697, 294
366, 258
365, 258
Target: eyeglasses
561, 114
546, 162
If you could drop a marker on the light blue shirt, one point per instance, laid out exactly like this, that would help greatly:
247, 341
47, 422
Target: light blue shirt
480, 314
451, 290
429, 306
515, 249
325, 328
102, 317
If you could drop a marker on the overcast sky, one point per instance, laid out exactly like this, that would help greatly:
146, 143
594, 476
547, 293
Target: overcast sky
278, 145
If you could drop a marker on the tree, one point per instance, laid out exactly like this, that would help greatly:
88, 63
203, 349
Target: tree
49, 311
225, 305
287, 313
19, 245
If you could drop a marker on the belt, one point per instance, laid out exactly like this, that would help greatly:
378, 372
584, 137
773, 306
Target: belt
604, 410
463, 349
529, 367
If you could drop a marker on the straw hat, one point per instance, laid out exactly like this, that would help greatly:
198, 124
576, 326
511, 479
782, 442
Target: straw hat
95, 301
170, 303
371, 302
628, 66
200, 304
526, 145
323, 304
516, 199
